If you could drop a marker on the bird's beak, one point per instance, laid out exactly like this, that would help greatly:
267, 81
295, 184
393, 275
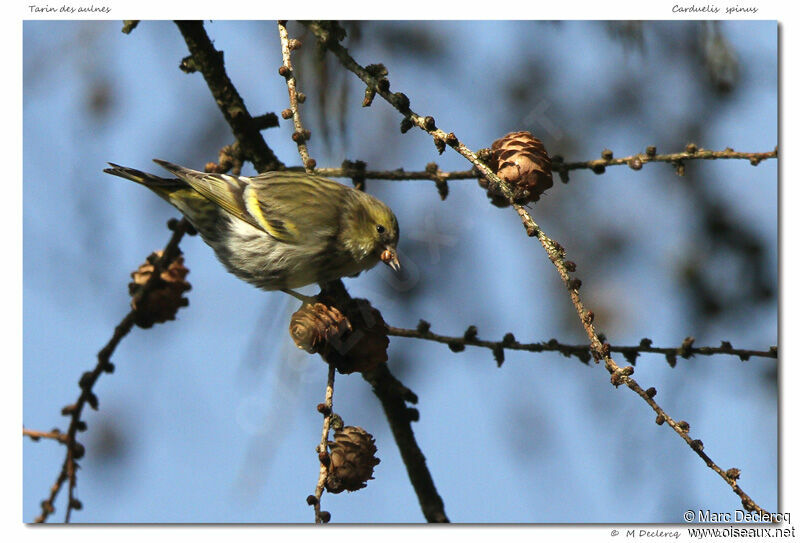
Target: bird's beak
389, 257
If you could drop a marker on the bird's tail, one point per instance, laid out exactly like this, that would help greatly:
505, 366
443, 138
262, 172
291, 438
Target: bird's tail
161, 186
201, 212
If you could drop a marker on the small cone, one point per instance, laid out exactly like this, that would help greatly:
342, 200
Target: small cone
162, 302
365, 346
521, 160
352, 460
312, 326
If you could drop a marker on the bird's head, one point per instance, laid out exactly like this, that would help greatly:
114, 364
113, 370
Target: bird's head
370, 232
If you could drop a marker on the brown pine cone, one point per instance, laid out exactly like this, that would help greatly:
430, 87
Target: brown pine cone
521, 160
312, 326
365, 346
351, 338
162, 302
352, 460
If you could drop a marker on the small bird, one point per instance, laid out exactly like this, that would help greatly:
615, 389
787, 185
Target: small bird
280, 230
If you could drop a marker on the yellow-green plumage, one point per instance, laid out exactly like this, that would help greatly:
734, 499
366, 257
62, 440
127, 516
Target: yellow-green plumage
280, 230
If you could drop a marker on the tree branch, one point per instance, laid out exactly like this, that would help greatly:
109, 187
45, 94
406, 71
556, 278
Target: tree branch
393, 396
75, 450
201, 47
582, 352
635, 162
323, 517
329, 34
205, 58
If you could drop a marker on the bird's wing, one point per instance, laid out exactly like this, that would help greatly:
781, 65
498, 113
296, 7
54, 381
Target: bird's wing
298, 207
289, 206
226, 191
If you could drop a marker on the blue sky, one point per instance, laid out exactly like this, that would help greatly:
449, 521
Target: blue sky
211, 418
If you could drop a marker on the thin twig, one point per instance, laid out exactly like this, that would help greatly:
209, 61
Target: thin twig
328, 36
36, 435
583, 352
692, 152
399, 174
597, 165
322, 449
75, 450
301, 135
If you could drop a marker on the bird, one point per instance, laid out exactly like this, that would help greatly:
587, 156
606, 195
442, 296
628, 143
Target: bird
279, 230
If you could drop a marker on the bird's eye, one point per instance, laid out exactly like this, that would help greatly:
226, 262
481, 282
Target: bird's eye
381, 229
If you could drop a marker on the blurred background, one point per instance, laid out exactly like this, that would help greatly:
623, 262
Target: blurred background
211, 417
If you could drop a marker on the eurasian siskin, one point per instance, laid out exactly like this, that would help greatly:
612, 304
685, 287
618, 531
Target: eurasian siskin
280, 230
